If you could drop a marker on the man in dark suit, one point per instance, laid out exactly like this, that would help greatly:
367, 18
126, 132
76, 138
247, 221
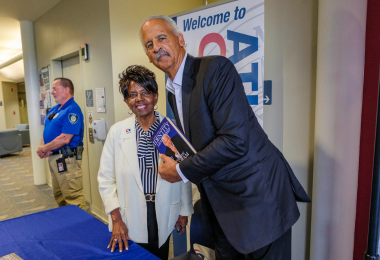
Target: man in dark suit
248, 190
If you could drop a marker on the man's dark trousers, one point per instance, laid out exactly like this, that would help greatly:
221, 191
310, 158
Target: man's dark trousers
280, 249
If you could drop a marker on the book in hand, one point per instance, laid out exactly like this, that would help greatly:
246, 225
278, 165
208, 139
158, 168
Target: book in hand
169, 140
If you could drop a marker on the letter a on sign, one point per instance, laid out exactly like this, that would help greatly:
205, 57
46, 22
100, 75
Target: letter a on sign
250, 77
242, 38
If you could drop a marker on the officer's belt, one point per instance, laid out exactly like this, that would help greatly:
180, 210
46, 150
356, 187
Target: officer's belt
74, 151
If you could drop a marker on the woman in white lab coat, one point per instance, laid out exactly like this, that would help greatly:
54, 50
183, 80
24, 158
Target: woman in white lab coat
141, 206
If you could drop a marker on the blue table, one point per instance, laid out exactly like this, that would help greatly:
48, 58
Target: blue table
62, 233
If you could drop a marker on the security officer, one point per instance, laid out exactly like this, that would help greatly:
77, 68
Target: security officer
62, 142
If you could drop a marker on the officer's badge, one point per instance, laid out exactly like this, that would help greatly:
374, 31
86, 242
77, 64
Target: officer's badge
55, 116
73, 118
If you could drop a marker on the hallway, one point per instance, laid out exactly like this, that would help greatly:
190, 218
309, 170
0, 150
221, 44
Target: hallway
18, 194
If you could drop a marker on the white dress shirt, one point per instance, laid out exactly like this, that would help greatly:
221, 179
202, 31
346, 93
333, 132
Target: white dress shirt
175, 87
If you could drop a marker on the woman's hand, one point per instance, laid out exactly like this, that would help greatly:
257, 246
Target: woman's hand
119, 232
181, 222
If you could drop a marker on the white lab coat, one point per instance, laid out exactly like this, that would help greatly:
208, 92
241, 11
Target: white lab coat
120, 186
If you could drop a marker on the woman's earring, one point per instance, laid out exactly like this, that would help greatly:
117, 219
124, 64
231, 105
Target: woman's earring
130, 111
156, 107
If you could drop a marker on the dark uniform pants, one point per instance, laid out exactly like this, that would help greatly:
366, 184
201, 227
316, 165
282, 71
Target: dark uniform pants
67, 186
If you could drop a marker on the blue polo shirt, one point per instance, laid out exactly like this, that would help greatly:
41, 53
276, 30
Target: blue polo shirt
67, 120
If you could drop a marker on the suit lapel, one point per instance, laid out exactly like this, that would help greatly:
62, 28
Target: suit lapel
173, 105
187, 86
127, 141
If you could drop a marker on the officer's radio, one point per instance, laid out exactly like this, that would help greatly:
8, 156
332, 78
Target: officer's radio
51, 116
79, 152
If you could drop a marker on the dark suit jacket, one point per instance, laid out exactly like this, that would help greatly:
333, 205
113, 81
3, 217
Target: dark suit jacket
179, 144
248, 183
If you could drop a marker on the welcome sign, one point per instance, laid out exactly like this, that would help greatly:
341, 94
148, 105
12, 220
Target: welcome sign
234, 30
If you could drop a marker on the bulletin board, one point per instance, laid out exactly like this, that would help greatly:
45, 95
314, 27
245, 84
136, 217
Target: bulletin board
44, 92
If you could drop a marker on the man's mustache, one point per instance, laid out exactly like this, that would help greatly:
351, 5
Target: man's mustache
160, 53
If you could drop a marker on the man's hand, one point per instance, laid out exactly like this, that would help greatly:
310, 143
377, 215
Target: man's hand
40, 153
47, 154
181, 222
168, 170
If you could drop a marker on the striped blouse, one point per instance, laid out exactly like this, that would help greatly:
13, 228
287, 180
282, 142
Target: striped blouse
148, 157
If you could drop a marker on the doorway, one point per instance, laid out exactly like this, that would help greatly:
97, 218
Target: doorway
71, 69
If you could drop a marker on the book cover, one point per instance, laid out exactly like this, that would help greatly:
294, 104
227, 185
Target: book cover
169, 140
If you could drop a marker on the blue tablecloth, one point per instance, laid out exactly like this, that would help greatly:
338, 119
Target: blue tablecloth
62, 233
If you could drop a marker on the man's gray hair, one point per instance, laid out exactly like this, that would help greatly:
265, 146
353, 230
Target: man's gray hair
169, 20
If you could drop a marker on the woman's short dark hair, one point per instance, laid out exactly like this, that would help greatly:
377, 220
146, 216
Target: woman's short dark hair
141, 76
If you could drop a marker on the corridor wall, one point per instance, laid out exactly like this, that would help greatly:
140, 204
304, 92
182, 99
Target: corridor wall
290, 63
126, 19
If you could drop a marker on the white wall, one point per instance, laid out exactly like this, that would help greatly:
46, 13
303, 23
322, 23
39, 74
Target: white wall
59, 32
290, 61
126, 19
340, 66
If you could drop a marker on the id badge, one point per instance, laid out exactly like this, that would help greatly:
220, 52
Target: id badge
61, 165
79, 152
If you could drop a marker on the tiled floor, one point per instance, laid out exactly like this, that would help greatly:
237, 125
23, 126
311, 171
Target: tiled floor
18, 194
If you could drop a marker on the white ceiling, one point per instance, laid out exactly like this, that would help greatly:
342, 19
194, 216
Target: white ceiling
14, 72
11, 12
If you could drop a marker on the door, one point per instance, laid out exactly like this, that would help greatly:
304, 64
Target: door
71, 70
11, 109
